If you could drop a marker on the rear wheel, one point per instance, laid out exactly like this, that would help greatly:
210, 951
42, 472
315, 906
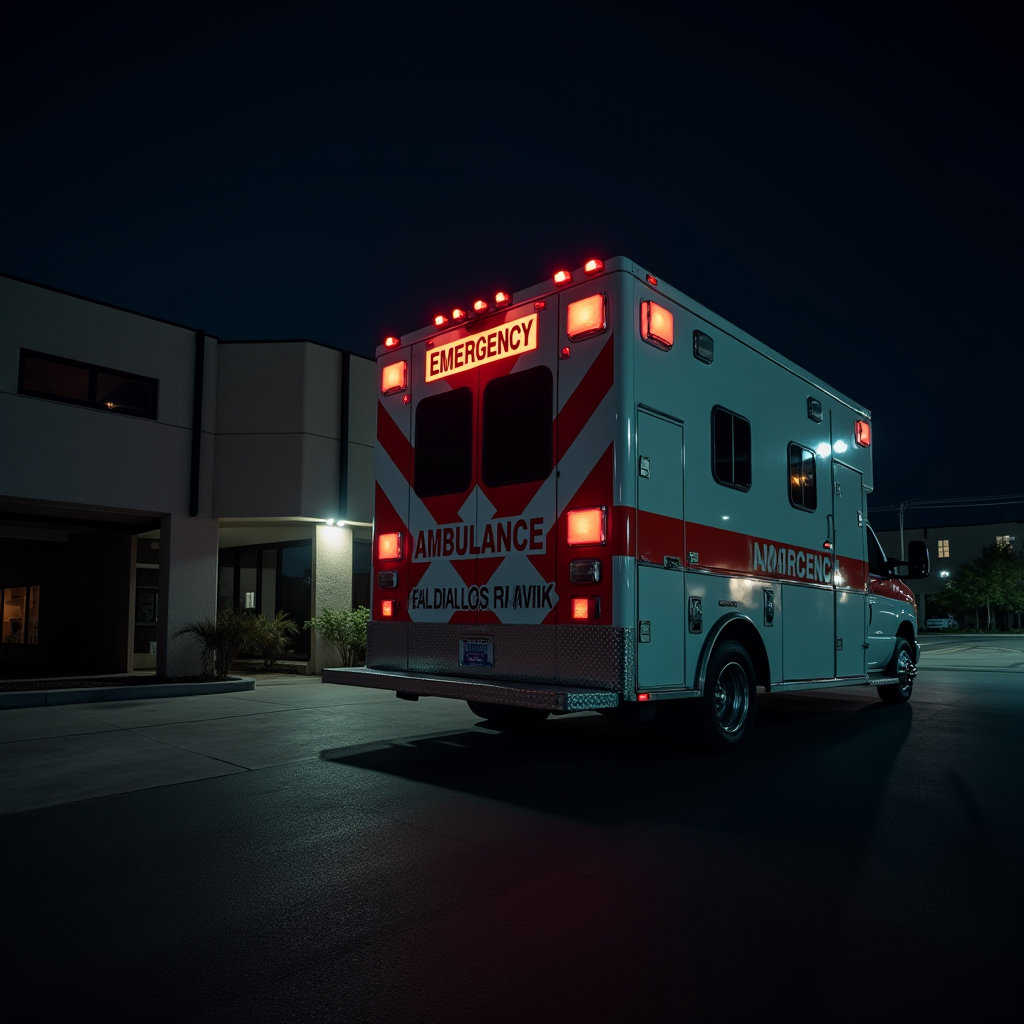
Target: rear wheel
728, 705
503, 714
902, 666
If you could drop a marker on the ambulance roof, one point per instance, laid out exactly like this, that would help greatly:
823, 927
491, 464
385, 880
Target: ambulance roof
621, 264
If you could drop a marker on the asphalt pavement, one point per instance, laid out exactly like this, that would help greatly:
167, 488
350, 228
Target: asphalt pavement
313, 852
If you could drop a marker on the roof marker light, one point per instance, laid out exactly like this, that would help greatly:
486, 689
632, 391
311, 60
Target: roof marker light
563, 276
565, 353
862, 433
587, 526
652, 280
440, 321
481, 306
502, 299
391, 341
593, 266
392, 377
458, 315
540, 304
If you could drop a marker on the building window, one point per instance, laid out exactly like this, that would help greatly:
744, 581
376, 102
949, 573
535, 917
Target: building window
95, 387
1006, 542
20, 615
803, 487
730, 449
943, 549
517, 427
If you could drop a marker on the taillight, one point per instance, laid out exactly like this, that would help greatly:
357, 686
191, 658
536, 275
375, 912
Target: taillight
586, 317
502, 299
585, 609
656, 325
863, 433
643, 696
389, 547
587, 526
593, 266
387, 609
392, 377
390, 342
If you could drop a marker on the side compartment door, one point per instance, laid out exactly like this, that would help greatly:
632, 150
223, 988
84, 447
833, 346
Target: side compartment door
660, 546
849, 574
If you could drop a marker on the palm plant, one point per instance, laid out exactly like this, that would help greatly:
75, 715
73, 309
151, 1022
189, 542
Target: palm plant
221, 639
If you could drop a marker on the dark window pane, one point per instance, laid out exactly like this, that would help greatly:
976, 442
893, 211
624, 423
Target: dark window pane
45, 377
876, 557
741, 451
803, 490
444, 443
125, 394
296, 591
722, 441
517, 427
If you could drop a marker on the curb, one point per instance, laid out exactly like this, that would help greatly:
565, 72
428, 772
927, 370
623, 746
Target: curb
94, 694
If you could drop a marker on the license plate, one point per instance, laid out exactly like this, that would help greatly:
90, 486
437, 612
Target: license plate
476, 652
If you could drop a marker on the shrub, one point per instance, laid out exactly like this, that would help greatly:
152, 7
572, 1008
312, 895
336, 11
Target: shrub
346, 630
270, 638
221, 639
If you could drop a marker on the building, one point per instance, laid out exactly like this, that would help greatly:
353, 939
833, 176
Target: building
949, 547
151, 474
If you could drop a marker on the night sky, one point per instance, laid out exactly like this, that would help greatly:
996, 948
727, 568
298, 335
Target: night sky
844, 183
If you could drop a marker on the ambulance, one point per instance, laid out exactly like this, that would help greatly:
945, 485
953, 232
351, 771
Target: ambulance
596, 494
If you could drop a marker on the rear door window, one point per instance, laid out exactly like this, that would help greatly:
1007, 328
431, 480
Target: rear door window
517, 427
444, 443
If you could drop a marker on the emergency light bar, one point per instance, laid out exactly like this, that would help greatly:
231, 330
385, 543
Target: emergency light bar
656, 325
440, 321
586, 317
593, 266
562, 277
391, 341
480, 306
502, 299
392, 377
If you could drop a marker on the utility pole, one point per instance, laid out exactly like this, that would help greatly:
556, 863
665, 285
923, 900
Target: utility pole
903, 505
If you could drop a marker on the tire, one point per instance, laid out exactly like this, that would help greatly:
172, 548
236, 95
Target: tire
901, 665
503, 714
728, 705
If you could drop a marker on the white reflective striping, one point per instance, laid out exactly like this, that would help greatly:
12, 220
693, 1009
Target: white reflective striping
396, 402
397, 490
589, 446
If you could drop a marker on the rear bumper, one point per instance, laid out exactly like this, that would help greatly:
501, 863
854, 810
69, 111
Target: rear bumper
524, 695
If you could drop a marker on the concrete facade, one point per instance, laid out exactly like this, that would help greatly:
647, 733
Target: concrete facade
248, 447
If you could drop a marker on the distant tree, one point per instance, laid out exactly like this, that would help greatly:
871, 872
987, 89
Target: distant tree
994, 580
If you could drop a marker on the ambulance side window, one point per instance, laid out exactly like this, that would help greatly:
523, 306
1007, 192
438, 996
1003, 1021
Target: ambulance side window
444, 443
730, 449
876, 556
803, 486
517, 427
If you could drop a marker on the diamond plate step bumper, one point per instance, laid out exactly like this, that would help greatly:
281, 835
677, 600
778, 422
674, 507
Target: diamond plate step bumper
523, 695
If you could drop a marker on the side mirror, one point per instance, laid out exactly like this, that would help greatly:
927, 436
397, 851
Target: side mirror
918, 564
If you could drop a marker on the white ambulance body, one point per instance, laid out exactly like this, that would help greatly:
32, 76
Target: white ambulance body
597, 494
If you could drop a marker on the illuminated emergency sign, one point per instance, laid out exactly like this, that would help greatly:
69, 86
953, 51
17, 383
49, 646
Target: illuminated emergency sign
511, 339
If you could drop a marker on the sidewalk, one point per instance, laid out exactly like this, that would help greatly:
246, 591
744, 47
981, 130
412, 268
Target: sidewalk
59, 754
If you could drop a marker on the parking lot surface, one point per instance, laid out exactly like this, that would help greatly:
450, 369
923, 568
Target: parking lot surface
327, 853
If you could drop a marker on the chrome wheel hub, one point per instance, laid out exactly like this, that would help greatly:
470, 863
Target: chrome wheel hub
732, 698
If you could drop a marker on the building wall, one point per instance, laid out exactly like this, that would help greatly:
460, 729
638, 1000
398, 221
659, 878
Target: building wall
965, 545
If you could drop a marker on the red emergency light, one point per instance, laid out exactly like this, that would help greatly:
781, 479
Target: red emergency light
656, 325
563, 276
502, 299
593, 266
643, 696
391, 341
480, 306
862, 433
587, 526
652, 280
389, 547
440, 321
392, 377
458, 315
586, 317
